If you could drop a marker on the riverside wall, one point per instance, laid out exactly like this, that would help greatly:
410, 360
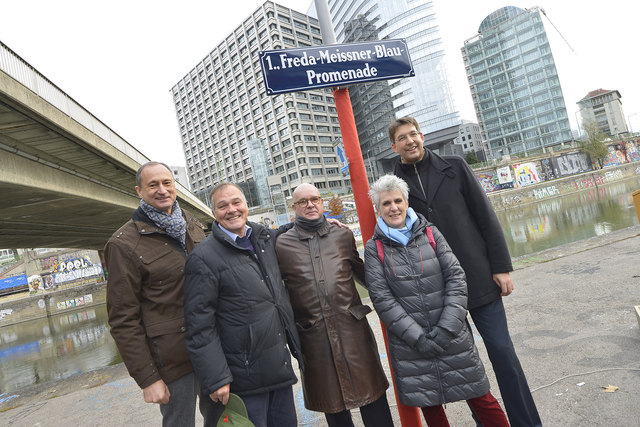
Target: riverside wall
509, 198
49, 303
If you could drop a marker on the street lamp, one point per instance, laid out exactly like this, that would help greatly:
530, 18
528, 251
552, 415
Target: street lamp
629, 121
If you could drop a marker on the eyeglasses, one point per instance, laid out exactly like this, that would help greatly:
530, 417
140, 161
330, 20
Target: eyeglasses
405, 138
304, 202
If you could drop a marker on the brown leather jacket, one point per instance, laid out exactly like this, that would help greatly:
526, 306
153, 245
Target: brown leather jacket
145, 298
342, 365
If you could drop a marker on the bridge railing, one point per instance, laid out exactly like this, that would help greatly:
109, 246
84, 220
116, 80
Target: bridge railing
19, 69
12, 64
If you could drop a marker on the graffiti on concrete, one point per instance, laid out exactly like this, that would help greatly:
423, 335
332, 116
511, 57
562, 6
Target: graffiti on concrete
5, 312
74, 302
613, 175
541, 193
571, 164
488, 181
526, 174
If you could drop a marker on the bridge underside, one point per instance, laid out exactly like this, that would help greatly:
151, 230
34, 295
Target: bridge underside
61, 184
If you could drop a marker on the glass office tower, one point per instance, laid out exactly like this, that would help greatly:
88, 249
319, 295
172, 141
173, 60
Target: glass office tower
514, 83
427, 96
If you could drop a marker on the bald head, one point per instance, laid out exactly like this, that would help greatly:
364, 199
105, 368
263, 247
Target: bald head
307, 202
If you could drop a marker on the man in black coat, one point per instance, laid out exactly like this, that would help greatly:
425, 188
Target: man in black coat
239, 319
447, 193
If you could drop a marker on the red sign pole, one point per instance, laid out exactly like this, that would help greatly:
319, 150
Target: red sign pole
409, 416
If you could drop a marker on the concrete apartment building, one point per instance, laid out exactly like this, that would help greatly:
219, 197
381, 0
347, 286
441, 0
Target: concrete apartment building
427, 96
605, 108
514, 83
232, 131
470, 139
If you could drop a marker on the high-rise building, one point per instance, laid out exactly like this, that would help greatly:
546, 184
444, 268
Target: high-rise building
427, 96
514, 83
225, 116
605, 108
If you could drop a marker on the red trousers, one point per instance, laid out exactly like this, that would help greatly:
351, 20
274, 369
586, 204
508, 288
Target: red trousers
486, 408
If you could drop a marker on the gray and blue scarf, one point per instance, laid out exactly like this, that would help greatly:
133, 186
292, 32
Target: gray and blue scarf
173, 224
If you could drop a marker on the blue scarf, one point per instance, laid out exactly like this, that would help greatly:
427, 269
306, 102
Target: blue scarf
400, 235
173, 224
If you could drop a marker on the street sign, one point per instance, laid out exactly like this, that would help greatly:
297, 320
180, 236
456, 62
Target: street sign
291, 70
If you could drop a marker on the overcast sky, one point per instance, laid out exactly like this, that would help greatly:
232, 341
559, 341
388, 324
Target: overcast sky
119, 59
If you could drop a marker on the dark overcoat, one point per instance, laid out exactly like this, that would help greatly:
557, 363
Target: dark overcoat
447, 193
342, 364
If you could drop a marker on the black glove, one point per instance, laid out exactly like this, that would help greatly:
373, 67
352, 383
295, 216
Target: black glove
428, 347
441, 336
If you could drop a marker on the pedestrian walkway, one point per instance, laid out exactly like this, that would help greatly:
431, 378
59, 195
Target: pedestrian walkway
571, 318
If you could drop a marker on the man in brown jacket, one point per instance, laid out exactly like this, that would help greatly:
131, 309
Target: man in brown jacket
318, 262
145, 259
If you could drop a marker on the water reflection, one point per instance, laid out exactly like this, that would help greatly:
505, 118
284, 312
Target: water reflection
53, 348
553, 222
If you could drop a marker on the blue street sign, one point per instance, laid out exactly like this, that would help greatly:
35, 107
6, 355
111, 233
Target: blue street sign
291, 70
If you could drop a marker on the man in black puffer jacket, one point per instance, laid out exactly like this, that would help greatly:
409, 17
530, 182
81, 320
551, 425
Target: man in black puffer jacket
239, 319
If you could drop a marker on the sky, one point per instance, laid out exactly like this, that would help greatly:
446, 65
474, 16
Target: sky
120, 59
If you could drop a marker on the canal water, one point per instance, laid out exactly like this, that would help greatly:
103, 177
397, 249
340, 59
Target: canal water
553, 222
63, 345
54, 348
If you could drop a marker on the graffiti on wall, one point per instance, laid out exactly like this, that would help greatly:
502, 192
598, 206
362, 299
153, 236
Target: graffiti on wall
633, 151
526, 174
74, 302
615, 156
505, 179
488, 181
541, 193
571, 164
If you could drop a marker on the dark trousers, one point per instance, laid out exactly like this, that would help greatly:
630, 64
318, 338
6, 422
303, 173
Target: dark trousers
485, 407
491, 322
181, 409
272, 409
374, 414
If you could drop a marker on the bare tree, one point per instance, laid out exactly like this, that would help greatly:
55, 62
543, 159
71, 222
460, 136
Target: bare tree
594, 142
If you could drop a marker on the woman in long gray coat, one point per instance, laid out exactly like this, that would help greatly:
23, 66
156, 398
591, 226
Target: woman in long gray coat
419, 291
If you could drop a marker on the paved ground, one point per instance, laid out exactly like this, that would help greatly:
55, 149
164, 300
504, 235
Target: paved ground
571, 317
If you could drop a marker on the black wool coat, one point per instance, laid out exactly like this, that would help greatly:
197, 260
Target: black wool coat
447, 193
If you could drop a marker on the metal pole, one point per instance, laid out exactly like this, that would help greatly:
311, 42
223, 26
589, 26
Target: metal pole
409, 416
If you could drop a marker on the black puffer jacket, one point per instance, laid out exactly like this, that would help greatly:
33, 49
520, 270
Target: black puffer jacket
412, 292
238, 315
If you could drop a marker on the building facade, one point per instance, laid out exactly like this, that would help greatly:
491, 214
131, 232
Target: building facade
514, 83
470, 139
605, 108
427, 96
223, 111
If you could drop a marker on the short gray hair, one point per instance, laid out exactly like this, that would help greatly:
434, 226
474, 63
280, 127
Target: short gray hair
222, 185
388, 183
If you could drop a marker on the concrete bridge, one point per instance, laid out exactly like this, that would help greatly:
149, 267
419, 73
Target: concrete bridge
66, 179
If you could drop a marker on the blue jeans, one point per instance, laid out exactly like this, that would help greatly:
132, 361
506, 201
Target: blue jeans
181, 409
491, 322
272, 409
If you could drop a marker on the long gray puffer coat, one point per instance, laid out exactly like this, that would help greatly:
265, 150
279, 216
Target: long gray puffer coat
412, 292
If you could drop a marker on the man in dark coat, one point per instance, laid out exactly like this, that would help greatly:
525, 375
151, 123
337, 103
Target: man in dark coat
447, 193
145, 259
239, 319
318, 262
